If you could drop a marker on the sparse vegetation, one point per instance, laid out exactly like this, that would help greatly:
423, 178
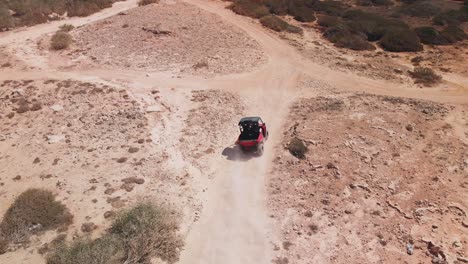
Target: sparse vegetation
425, 76
147, 2
31, 12
249, 8
32, 211
135, 236
60, 40
327, 21
277, 24
297, 148
200, 65
66, 27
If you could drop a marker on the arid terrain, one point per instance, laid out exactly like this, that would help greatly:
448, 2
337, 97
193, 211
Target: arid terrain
143, 106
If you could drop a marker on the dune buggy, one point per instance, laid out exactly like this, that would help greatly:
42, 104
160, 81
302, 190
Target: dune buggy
253, 134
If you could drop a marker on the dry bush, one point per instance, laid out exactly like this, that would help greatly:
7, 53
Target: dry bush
3, 246
344, 38
425, 76
398, 40
105, 250
453, 34
297, 148
137, 235
66, 27
200, 65
277, 24
147, 2
148, 231
6, 21
60, 40
327, 21
31, 12
249, 8
32, 211
430, 35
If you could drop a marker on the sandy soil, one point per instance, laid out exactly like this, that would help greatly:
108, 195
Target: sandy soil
184, 126
381, 172
167, 37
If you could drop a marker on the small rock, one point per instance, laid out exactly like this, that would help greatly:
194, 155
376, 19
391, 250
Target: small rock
56, 108
457, 244
128, 187
36, 160
17, 178
88, 227
153, 108
409, 127
109, 191
55, 138
133, 149
122, 160
347, 211
409, 249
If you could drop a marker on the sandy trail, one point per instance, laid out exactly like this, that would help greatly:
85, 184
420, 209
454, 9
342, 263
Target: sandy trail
233, 227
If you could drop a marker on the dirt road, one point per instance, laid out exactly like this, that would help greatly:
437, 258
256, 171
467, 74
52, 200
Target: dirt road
234, 226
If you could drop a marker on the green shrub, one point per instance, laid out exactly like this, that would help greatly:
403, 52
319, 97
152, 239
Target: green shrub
452, 17
327, 21
453, 33
329, 7
302, 14
33, 210
147, 2
66, 27
398, 40
60, 40
429, 35
277, 24
297, 148
344, 38
372, 25
374, 2
83, 8
420, 9
249, 8
425, 76
277, 7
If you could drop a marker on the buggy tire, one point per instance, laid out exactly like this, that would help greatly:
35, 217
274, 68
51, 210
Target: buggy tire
260, 150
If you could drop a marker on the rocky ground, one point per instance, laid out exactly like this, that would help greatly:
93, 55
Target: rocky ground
384, 180
90, 143
219, 127
167, 37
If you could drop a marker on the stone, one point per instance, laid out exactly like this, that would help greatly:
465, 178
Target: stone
51, 139
56, 108
153, 108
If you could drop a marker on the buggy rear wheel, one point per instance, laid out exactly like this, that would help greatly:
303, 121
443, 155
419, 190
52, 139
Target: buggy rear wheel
260, 150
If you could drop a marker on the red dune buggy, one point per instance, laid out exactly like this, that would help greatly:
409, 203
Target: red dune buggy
253, 134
